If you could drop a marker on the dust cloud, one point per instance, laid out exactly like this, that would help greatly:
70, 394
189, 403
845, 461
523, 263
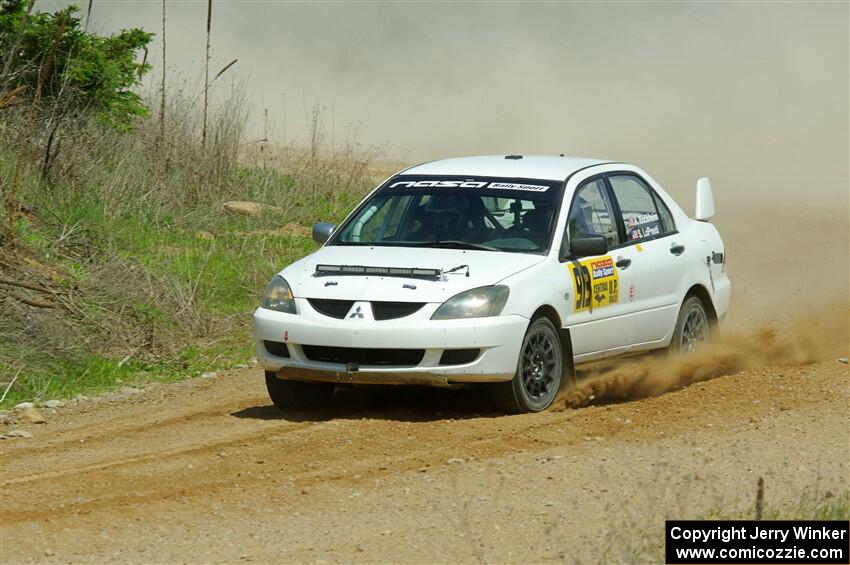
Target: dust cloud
752, 94
805, 340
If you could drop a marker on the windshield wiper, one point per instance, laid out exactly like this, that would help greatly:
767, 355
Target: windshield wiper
456, 244
448, 244
371, 243
456, 269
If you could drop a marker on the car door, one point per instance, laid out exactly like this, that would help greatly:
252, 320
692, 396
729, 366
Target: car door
596, 319
657, 252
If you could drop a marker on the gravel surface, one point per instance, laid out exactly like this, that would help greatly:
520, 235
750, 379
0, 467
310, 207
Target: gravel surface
207, 471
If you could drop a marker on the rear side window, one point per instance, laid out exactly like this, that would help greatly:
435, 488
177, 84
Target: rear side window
644, 215
592, 213
666, 217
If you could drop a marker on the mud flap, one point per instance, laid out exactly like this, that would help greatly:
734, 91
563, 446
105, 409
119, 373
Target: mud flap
568, 380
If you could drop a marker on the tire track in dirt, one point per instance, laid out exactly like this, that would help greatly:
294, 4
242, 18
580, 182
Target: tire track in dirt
203, 488
341, 447
152, 457
135, 424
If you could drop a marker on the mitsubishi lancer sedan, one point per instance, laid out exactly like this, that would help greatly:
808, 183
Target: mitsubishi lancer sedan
504, 270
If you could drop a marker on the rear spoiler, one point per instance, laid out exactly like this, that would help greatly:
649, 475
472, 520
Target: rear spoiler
705, 201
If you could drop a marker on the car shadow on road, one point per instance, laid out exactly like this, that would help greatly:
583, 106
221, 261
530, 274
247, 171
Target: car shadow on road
397, 403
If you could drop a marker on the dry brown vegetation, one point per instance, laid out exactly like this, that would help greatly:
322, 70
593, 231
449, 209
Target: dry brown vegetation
107, 274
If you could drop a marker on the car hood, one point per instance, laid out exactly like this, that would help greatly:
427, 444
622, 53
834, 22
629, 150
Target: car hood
485, 268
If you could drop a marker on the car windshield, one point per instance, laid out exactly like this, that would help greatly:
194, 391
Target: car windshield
481, 213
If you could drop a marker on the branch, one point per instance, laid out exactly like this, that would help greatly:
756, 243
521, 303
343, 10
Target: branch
5, 392
10, 98
224, 70
27, 286
33, 303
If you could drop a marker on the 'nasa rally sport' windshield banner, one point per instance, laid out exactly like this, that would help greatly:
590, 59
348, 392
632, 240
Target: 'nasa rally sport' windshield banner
501, 187
469, 184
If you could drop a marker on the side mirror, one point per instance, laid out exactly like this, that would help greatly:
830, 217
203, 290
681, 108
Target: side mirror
705, 201
588, 245
322, 232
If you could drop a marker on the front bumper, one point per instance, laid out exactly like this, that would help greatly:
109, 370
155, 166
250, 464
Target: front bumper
498, 338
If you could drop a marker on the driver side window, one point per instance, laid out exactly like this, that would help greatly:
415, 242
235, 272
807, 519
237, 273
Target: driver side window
592, 213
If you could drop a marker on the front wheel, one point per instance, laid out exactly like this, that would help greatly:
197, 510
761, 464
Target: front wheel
297, 395
539, 371
691, 326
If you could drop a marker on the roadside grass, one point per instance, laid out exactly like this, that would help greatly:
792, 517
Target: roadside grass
216, 276
38, 378
838, 509
126, 268
223, 275
825, 507
642, 544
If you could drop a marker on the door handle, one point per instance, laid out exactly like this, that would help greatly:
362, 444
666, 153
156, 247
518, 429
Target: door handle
623, 263
677, 249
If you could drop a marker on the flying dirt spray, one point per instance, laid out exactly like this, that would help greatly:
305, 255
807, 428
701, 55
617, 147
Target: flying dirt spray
802, 341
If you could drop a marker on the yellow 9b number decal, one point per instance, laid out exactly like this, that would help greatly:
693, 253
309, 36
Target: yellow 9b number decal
581, 285
596, 283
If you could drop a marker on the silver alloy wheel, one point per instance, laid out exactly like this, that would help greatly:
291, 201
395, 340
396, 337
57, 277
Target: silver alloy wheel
538, 367
694, 330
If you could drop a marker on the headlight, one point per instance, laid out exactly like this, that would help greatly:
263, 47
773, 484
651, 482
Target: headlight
278, 296
475, 303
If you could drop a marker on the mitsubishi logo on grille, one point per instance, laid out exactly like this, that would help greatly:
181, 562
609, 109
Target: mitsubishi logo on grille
357, 313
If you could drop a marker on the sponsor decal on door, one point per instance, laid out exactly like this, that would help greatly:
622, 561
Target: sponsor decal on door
596, 283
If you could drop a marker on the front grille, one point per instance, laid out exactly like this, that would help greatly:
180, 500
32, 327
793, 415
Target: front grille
363, 356
277, 348
391, 310
380, 310
330, 307
459, 356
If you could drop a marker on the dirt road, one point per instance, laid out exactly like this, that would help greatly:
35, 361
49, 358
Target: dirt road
208, 471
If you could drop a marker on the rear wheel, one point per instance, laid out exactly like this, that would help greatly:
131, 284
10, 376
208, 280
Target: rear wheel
691, 326
539, 371
297, 395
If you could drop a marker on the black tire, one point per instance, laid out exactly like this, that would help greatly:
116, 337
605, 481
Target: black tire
539, 371
692, 326
293, 396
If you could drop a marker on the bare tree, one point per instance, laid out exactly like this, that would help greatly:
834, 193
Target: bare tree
162, 84
88, 15
206, 75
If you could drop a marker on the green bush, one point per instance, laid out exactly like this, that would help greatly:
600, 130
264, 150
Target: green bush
57, 59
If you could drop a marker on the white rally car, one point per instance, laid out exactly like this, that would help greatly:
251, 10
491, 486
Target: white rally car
504, 270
